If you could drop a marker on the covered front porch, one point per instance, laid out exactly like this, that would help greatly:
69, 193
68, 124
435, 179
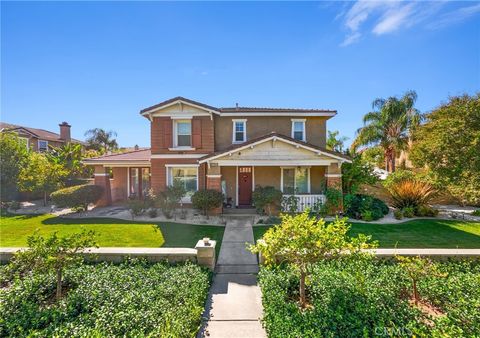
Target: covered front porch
277, 161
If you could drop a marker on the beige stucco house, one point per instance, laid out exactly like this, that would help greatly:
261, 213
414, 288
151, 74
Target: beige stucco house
232, 150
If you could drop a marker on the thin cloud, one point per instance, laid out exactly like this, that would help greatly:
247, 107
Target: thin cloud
385, 17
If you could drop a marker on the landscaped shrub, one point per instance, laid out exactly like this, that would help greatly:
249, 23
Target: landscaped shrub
133, 299
169, 199
397, 214
411, 193
207, 200
408, 212
290, 204
267, 200
77, 197
136, 207
476, 212
364, 206
426, 211
369, 298
398, 176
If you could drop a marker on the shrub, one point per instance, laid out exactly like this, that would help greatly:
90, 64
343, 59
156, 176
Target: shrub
356, 206
14, 205
169, 199
207, 200
408, 212
398, 176
397, 214
77, 197
426, 211
475, 212
266, 199
367, 215
152, 213
290, 204
132, 299
136, 207
411, 193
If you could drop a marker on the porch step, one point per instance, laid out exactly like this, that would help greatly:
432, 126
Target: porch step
239, 211
237, 268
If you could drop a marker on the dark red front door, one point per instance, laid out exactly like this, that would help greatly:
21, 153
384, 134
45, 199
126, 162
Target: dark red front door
244, 186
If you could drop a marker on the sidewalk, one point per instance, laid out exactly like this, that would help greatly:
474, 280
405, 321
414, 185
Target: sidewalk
234, 307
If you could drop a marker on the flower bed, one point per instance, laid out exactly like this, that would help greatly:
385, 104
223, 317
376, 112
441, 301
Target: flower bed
131, 299
369, 298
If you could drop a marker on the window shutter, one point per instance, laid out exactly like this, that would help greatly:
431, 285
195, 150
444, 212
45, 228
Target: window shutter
196, 133
167, 133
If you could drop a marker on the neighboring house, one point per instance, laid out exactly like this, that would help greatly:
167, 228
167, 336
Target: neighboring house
232, 150
40, 140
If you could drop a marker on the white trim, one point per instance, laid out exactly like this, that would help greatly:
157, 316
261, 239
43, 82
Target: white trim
253, 178
178, 155
236, 186
300, 114
182, 165
272, 163
101, 174
304, 132
214, 176
333, 175
275, 138
185, 148
234, 121
128, 182
27, 141
181, 117
180, 101
175, 136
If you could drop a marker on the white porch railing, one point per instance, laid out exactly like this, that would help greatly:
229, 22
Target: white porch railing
306, 201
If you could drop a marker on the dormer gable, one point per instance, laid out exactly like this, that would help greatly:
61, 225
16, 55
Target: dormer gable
179, 107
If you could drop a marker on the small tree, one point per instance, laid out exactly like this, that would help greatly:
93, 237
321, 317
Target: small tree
170, 198
39, 175
13, 156
357, 173
70, 157
267, 199
207, 200
418, 268
53, 254
302, 240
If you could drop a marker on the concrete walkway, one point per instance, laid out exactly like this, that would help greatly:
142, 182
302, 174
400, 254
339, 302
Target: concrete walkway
234, 307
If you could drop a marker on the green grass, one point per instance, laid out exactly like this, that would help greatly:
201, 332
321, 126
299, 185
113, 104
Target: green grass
423, 233
14, 230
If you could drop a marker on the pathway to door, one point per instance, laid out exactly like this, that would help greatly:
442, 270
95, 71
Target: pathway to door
234, 307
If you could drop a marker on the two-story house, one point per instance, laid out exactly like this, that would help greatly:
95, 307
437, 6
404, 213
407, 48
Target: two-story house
40, 140
232, 150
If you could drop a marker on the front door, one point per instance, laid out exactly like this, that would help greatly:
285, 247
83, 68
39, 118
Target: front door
244, 186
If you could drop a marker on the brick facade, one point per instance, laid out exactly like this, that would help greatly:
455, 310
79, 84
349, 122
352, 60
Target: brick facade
102, 178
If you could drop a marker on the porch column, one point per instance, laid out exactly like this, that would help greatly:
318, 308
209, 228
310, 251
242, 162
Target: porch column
102, 178
334, 180
214, 182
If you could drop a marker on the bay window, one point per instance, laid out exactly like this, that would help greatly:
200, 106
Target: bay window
296, 180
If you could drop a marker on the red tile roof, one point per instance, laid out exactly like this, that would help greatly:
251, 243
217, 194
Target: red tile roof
39, 133
142, 154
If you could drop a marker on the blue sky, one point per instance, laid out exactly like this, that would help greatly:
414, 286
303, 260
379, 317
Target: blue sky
96, 64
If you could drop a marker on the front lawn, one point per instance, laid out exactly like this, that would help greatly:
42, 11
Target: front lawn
424, 233
370, 298
14, 230
132, 299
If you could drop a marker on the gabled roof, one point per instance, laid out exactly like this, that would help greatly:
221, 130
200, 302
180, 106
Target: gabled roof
274, 135
228, 111
39, 133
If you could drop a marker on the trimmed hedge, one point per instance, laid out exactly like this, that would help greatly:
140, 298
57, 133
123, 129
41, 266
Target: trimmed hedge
364, 207
207, 200
369, 298
77, 197
133, 299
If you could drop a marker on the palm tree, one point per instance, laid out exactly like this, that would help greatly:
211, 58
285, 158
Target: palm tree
101, 140
389, 126
334, 142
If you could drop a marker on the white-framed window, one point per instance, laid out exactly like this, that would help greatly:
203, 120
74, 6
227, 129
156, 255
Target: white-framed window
25, 141
42, 145
182, 135
239, 131
295, 180
298, 130
187, 176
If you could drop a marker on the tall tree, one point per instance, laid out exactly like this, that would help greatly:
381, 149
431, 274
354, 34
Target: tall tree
448, 145
39, 175
70, 157
13, 156
389, 126
335, 142
101, 140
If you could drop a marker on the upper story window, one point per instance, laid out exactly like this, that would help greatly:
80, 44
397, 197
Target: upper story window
183, 133
239, 131
42, 145
298, 130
